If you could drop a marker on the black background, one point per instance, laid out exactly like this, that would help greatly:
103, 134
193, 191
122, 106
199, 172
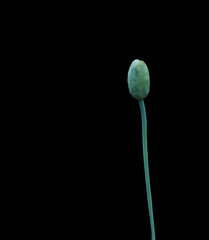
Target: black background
81, 130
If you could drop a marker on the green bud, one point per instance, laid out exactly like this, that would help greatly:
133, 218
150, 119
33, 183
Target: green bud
138, 80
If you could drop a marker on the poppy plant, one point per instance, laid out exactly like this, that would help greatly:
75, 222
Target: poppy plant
139, 86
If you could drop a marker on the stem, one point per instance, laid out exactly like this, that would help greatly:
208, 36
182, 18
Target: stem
146, 166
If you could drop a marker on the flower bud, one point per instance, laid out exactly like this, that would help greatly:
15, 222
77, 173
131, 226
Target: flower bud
138, 80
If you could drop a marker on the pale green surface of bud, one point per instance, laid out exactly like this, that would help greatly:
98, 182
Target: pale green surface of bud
138, 80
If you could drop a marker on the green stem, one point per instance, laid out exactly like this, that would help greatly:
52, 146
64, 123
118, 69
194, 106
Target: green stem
146, 166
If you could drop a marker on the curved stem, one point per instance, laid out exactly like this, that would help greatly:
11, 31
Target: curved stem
146, 166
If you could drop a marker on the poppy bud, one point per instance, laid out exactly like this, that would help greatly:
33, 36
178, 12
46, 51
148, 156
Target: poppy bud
138, 80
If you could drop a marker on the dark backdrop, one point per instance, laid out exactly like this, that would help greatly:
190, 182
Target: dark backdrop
86, 162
